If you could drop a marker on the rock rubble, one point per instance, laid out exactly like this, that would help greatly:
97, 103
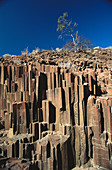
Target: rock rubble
56, 110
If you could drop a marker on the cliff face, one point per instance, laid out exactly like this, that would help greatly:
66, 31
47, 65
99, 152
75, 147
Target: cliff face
53, 116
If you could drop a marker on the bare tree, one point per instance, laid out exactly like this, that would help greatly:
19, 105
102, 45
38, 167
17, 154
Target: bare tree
85, 43
67, 27
25, 52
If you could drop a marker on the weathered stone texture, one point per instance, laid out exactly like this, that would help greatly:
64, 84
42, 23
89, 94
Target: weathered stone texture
55, 117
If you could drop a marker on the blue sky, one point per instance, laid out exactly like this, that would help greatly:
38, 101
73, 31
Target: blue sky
33, 23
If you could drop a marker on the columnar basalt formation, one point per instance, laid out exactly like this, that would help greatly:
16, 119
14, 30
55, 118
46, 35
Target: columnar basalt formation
56, 110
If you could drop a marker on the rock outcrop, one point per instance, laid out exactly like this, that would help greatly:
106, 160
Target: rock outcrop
56, 110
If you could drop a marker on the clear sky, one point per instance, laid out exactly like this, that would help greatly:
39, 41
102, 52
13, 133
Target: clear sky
33, 23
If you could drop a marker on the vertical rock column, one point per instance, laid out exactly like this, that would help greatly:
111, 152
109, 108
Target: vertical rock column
2, 74
81, 105
45, 109
76, 98
30, 79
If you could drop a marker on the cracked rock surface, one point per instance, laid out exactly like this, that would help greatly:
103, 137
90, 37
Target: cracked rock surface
56, 110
